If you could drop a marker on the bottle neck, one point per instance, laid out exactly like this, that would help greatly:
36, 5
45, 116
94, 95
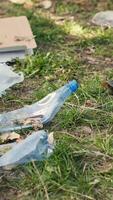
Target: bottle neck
65, 92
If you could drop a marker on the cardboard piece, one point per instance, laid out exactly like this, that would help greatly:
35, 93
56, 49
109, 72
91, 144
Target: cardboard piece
16, 38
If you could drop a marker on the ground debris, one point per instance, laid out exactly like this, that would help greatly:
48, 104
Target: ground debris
90, 103
104, 167
83, 131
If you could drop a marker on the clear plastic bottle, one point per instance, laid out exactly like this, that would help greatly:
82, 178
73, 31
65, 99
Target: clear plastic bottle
45, 109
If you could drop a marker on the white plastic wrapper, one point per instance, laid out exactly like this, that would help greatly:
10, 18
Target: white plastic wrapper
8, 78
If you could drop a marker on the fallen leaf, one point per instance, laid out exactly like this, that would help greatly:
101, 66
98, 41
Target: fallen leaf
6, 137
37, 124
51, 138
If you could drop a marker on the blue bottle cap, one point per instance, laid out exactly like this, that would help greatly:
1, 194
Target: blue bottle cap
73, 85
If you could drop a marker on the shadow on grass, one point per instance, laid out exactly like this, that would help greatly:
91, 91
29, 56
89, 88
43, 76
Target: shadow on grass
48, 34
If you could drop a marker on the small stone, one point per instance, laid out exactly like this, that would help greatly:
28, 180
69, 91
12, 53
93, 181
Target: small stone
86, 130
46, 4
103, 18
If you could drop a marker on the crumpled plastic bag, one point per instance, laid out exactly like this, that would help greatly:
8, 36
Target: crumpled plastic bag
8, 78
38, 146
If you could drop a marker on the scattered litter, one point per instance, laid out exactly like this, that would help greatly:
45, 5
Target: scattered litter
103, 18
34, 147
15, 42
8, 78
43, 110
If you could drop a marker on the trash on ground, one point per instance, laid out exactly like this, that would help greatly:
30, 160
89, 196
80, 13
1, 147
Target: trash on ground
103, 18
15, 41
43, 110
8, 77
37, 146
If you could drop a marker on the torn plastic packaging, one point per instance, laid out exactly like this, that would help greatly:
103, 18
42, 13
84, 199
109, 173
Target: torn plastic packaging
8, 78
38, 146
43, 110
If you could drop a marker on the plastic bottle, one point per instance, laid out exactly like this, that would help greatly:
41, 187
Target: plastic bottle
45, 109
38, 146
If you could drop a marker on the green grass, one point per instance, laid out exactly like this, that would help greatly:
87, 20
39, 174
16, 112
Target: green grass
81, 166
66, 8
